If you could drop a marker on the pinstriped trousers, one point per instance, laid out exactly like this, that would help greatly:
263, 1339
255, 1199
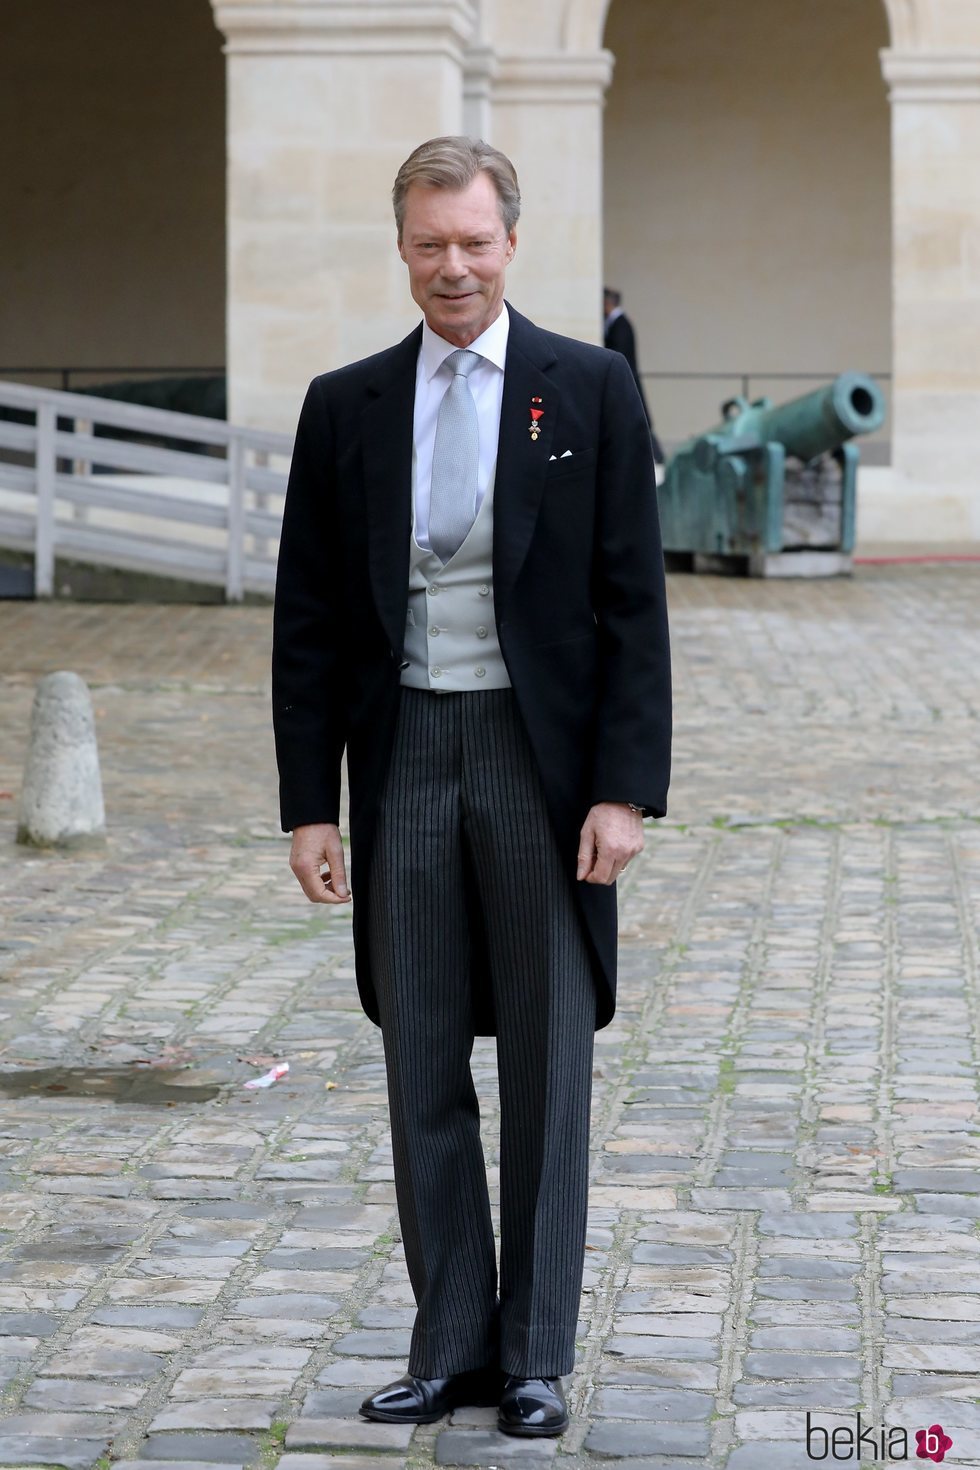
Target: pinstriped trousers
462, 786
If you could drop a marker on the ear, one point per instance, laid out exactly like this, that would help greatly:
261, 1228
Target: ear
511, 245
401, 249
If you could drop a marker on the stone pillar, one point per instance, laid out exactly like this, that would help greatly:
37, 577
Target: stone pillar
61, 802
480, 68
935, 100
325, 99
547, 116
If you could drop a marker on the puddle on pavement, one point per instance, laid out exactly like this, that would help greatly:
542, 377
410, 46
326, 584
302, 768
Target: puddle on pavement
152, 1086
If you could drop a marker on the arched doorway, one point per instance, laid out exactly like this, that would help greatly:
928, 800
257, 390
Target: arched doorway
748, 197
112, 141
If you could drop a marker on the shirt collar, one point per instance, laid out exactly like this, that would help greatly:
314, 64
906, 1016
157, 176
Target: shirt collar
491, 344
614, 315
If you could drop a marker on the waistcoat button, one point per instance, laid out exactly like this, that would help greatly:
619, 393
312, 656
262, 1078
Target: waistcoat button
481, 632
484, 590
479, 671
432, 590
433, 632
436, 673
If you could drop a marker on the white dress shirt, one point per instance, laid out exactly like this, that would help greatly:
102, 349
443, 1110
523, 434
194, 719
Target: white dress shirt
486, 383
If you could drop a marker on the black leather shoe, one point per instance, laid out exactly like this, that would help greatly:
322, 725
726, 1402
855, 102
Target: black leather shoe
412, 1400
532, 1406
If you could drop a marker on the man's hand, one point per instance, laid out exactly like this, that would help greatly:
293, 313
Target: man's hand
313, 846
611, 835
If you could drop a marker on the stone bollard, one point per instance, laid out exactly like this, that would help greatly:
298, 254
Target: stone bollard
61, 804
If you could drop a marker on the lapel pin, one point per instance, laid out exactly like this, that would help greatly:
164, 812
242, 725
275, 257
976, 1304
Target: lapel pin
536, 415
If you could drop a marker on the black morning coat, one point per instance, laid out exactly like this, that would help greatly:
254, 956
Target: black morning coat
578, 590
620, 337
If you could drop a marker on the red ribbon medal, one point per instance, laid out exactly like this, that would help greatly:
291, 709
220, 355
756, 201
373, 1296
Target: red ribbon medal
536, 414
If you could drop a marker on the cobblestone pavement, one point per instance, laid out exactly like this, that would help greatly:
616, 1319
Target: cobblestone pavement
786, 1198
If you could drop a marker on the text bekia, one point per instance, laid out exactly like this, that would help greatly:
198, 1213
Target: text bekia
873, 1442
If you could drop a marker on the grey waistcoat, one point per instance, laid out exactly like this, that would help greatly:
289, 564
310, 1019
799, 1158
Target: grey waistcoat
451, 639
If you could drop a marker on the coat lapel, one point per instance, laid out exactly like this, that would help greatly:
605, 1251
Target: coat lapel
522, 462
387, 430
387, 427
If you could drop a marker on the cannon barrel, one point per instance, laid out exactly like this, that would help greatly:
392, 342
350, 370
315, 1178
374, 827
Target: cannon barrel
773, 487
820, 421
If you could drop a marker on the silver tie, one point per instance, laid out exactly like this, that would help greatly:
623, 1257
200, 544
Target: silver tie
455, 461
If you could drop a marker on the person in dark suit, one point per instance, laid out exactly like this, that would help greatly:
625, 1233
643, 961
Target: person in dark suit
620, 337
470, 602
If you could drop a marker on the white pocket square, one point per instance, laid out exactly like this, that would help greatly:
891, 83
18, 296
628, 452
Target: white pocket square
566, 455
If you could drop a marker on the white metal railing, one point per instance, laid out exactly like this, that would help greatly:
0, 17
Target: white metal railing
202, 502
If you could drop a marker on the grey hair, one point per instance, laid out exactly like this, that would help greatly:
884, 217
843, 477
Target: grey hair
453, 163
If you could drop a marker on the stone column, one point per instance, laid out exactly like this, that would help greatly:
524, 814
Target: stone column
325, 100
936, 187
479, 70
547, 116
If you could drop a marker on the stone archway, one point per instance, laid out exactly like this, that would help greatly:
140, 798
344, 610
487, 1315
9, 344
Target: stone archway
112, 143
903, 20
583, 23
747, 201
324, 101
932, 67
911, 22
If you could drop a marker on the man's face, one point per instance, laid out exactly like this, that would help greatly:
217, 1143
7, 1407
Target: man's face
608, 303
457, 252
